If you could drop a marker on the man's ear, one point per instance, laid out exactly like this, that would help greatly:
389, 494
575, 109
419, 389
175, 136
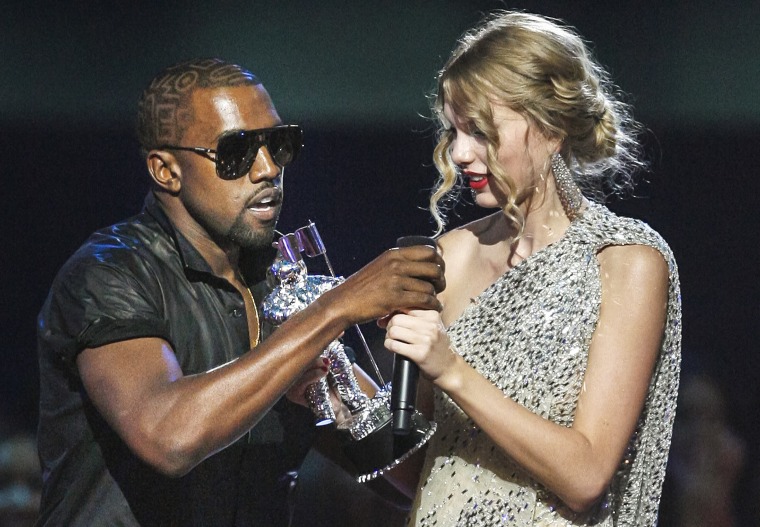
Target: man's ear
165, 171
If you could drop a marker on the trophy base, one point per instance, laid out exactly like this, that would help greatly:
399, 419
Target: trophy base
382, 450
374, 416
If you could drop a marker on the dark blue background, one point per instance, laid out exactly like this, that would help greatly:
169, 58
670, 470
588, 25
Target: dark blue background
70, 164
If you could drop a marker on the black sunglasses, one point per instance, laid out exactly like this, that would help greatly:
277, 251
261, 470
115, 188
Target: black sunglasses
236, 151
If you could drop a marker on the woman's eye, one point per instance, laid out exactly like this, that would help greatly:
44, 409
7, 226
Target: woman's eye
476, 132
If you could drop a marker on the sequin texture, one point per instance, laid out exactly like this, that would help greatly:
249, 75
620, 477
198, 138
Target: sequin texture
529, 334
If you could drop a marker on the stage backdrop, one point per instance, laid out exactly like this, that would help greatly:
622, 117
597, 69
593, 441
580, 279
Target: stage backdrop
356, 76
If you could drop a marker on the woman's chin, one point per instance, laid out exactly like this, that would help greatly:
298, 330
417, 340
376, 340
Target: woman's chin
487, 201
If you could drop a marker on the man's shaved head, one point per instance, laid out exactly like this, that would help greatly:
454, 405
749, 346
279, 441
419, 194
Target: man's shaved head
164, 111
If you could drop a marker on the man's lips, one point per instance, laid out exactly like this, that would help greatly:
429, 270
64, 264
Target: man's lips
266, 199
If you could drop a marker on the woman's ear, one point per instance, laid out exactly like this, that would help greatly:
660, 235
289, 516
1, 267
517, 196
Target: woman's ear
165, 171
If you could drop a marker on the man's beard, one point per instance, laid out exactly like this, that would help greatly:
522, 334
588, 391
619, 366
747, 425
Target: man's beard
246, 238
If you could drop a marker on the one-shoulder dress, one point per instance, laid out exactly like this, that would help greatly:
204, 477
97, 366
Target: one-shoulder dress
529, 334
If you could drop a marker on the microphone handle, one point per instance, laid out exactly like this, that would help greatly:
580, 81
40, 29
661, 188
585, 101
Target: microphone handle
405, 372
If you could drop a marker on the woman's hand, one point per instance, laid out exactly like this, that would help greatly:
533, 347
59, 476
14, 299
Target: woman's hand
297, 392
420, 336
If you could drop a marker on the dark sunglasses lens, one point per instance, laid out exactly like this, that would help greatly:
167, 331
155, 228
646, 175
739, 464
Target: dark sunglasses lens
237, 152
234, 155
284, 144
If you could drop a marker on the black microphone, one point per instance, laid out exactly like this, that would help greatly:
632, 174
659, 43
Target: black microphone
405, 372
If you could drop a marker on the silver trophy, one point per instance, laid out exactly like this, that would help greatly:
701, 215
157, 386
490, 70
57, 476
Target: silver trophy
372, 446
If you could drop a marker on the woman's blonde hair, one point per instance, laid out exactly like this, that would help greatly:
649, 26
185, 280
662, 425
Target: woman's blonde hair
542, 69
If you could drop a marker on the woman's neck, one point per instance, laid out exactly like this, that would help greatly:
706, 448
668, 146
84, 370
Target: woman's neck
545, 223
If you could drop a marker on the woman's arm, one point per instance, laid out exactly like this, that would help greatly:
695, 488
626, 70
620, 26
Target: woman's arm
576, 463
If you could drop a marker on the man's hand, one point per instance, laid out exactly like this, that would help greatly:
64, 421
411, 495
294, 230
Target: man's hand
397, 280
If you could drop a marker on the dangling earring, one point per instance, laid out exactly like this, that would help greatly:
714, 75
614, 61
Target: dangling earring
569, 194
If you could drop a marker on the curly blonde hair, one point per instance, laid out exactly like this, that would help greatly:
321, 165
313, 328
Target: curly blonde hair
542, 69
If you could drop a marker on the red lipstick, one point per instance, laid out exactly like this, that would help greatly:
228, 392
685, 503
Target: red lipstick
476, 181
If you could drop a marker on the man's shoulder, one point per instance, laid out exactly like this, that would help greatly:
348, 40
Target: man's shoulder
133, 237
129, 246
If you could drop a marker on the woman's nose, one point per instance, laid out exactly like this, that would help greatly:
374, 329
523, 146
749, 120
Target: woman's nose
461, 150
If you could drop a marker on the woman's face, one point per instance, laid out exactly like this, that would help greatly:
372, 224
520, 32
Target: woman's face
523, 155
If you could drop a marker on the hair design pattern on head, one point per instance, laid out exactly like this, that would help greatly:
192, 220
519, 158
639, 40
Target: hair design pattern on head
164, 111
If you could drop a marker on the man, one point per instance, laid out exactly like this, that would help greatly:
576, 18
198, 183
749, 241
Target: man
153, 410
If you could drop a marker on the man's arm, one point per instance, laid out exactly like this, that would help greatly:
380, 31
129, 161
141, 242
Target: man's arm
173, 421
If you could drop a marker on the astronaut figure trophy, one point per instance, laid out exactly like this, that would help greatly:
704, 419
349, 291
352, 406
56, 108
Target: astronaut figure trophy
371, 446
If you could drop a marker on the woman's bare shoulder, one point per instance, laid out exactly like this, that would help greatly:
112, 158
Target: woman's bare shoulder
466, 236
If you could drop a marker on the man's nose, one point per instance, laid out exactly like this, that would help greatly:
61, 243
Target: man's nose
264, 167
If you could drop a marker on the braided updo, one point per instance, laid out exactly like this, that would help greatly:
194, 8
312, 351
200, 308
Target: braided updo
543, 70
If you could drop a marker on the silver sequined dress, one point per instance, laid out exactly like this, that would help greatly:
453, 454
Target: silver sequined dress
529, 334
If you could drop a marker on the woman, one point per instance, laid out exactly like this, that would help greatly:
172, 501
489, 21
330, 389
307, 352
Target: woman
554, 365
